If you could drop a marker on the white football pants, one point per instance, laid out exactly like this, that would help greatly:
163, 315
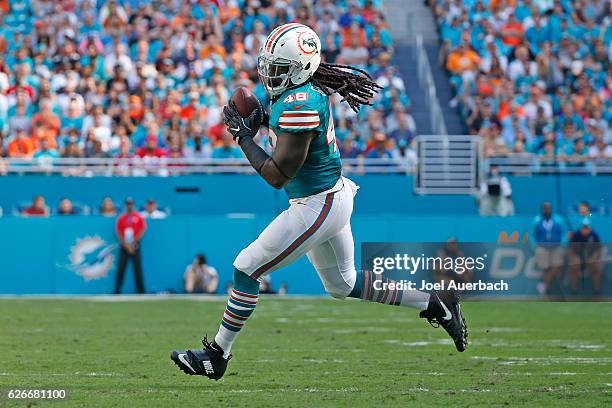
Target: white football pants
318, 226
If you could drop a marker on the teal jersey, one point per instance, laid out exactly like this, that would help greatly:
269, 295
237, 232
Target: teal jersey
306, 109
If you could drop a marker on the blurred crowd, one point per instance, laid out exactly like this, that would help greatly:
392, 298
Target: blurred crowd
147, 79
39, 207
532, 76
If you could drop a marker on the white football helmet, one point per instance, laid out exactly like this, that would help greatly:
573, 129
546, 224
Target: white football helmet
289, 57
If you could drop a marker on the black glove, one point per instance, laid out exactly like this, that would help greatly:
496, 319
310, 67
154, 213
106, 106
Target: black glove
265, 118
241, 127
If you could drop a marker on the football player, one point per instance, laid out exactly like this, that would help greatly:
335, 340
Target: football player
306, 163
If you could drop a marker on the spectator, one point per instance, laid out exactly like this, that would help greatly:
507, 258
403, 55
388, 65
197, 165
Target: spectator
45, 154
463, 62
403, 131
130, 228
200, 277
45, 124
65, 207
405, 156
38, 208
379, 150
584, 253
21, 146
107, 208
350, 148
151, 150
482, 116
495, 195
228, 148
451, 250
545, 60
548, 232
584, 209
113, 66
522, 66
601, 152
151, 210
355, 53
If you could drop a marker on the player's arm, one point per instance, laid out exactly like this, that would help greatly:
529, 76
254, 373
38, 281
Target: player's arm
289, 154
287, 159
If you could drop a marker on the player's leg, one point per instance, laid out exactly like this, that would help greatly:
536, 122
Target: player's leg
335, 264
334, 261
287, 238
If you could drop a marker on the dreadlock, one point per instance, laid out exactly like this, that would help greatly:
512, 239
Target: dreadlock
356, 89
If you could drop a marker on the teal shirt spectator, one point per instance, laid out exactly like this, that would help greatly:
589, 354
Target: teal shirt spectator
536, 36
46, 155
554, 25
90, 30
379, 154
522, 11
249, 21
451, 34
227, 152
575, 119
76, 123
569, 150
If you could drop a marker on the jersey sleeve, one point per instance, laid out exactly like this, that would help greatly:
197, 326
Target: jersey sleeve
299, 120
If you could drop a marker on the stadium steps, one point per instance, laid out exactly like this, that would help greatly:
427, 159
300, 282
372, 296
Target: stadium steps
454, 123
407, 17
405, 60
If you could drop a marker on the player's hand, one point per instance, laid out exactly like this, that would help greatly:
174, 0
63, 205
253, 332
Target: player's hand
238, 126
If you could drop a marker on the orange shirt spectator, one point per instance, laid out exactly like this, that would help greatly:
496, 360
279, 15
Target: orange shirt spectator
45, 125
21, 146
353, 31
183, 18
212, 47
512, 32
505, 109
462, 59
496, 5
136, 109
41, 133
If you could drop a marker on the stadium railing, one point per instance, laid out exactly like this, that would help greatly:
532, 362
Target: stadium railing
529, 163
174, 166
426, 82
518, 164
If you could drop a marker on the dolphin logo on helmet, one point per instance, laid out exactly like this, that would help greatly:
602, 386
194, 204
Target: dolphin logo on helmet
290, 56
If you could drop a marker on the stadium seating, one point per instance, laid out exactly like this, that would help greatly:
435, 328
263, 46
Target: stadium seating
103, 81
532, 76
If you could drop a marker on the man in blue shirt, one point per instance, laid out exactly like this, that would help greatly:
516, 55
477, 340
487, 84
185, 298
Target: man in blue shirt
548, 233
584, 252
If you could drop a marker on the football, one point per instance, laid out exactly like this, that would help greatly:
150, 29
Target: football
245, 102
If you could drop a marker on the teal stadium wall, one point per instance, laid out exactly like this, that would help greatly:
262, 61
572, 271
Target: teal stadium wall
50, 255
222, 194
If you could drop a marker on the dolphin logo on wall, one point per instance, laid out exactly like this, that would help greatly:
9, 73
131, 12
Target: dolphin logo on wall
91, 257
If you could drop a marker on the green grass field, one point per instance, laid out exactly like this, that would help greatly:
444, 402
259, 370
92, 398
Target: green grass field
311, 353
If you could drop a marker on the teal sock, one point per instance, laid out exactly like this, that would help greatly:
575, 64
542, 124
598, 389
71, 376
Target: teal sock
365, 289
240, 305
